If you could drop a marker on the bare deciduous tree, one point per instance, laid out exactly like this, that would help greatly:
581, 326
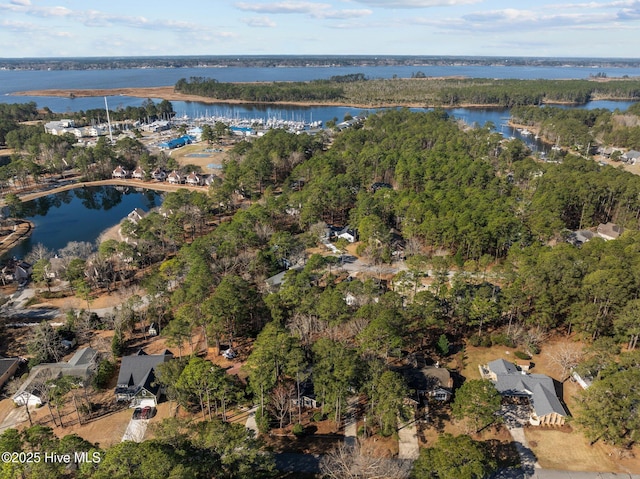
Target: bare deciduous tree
567, 356
351, 462
280, 400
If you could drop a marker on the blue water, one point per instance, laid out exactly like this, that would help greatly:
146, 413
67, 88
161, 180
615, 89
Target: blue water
80, 215
13, 81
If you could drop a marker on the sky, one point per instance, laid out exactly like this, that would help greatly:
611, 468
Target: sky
536, 28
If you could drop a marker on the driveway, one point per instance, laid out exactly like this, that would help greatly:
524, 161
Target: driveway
408, 447
136, 430
515, 416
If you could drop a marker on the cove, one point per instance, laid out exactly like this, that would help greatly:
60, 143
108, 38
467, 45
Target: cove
81, 214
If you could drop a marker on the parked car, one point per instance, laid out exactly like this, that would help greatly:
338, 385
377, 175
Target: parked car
229, 353
137, 412
147, 412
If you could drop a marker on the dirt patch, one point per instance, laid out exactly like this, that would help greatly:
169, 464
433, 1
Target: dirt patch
550, 447
184, 156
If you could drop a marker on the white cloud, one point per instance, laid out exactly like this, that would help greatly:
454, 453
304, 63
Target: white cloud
24, 3
314, 10
417, 3
259, 22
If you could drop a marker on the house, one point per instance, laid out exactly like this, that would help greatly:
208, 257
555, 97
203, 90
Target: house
22, 271
58, 127
274, 282
430, 381
539, 389
210, 179
8, 367
609, 231
193, 179
138, 173
136, 379
174, 178
136, 215
82, 365
308, 398
580, 237
631, 157
347, 233
120, 172
156, 126
159, 175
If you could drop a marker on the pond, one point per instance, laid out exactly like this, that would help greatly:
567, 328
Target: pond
81, 214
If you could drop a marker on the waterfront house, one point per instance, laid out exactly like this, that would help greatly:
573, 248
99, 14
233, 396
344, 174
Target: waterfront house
58, 127
136, 215
175, 178
158, 175
538, 389
138, 173
120, 173
137, 378
193, 179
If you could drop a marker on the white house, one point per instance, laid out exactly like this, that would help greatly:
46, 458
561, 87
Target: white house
120, 172
193, 179
174, 178
138, 173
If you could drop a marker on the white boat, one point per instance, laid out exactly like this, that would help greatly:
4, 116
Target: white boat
526, 132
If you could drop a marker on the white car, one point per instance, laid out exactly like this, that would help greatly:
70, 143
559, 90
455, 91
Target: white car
229, 353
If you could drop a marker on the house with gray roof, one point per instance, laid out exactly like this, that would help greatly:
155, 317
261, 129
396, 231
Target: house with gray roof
81, 365
539, 389
137, 378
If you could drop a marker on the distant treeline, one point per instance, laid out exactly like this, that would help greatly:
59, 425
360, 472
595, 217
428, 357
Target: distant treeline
267, 61
357, 89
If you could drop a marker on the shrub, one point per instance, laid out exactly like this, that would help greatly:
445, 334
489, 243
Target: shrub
480, 341
502, 339
103, 374
298, 430
533, 348
318, 416
521, 355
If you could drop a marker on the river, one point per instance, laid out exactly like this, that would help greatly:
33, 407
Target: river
81, 214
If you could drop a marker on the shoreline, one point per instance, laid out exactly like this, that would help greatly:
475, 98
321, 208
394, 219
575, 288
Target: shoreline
168, 93
22, 231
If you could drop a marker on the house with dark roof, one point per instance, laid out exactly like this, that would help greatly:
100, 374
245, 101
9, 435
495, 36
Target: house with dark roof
539, 389
158, 174
429, 381
8, 367
137, 378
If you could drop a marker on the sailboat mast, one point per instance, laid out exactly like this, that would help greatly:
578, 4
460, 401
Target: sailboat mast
106, 107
